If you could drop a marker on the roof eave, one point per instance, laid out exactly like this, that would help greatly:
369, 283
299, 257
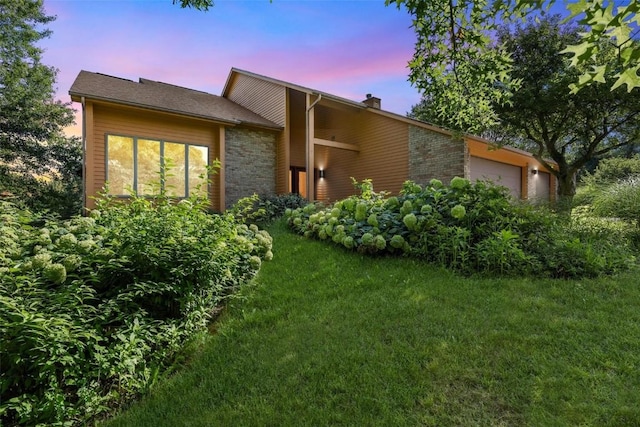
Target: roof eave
76, 96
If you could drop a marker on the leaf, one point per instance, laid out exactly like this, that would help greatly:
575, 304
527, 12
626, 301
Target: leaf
621, 33
629, 77
576, 8
597, 74
580, 52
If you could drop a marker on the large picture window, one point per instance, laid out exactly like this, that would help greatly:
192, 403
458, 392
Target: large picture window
147, 166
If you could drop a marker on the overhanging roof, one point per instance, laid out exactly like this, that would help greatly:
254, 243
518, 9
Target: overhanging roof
328, 96
164, 97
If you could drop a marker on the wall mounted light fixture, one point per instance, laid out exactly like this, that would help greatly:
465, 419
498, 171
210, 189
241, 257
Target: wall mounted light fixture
535, 171
321, 173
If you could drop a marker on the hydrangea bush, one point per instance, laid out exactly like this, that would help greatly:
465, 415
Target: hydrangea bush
92, 308
469, 227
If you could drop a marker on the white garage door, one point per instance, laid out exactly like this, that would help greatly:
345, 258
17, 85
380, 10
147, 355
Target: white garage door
542, 181
500, 173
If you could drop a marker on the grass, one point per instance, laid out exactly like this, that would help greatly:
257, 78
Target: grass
328, 337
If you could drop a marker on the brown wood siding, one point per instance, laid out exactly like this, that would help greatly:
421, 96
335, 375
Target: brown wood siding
108, 119
264, 98
337, 124
282, 164
283, 153
89, 155
384, 153
297, 129
338, 166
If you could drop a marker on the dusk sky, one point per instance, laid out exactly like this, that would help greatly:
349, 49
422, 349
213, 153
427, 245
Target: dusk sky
346, 48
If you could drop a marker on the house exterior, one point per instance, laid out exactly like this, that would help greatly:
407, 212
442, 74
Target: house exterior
272, 137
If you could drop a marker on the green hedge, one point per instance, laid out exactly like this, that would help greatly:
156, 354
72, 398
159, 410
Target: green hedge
93, 308
471, 228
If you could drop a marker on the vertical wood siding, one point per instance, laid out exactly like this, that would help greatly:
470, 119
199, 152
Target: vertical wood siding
334, 122
282, 163
383, 153
297, 129
338, 166
283, 151
133, 122
88, 174
264, 98
338, 124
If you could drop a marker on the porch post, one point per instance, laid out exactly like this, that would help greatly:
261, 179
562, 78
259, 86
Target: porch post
223, 165
310, 135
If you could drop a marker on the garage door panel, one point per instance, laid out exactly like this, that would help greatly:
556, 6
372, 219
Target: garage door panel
509, 176
542, 184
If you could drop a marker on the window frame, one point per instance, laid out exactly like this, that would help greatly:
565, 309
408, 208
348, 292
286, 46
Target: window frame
162, 142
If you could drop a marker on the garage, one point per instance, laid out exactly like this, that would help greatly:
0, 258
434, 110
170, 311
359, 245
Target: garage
542, 182
500, 173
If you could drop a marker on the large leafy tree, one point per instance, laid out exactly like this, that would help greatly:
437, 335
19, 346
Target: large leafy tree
545, 119
196, 4
34, 152
462, 73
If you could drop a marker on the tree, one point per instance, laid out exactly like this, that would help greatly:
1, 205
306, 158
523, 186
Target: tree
461, 73
545, 119
34, 152
203, 5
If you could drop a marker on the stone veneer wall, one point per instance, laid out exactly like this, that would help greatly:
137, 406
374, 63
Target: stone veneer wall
250, 164
434, 155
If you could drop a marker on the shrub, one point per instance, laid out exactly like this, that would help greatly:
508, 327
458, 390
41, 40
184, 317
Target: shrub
614, 169
59, 196
266, 209
609, 173
92, 308
620, 200
467, 227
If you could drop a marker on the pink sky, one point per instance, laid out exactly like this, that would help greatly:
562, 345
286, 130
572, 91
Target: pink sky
346, 48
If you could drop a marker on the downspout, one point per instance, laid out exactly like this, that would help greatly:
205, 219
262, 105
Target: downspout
309, 146
84, 153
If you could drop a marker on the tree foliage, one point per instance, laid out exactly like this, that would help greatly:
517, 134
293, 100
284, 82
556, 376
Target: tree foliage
32, 143
545, 119
459, 78
203, 5
617, 24
542, 116
460, 72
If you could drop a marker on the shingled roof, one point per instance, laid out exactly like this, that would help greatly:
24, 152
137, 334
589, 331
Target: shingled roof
164, 97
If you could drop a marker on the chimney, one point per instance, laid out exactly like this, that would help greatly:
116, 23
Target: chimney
372, 101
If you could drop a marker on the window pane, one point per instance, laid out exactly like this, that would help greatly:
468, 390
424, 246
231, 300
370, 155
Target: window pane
148, 167
198, 161
119, 164
174, 160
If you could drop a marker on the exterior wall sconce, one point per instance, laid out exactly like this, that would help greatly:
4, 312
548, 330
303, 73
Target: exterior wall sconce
535, 171
321, 173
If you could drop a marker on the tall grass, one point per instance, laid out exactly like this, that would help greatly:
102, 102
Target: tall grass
330, 337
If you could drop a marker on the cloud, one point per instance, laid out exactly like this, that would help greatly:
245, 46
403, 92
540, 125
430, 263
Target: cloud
341, 47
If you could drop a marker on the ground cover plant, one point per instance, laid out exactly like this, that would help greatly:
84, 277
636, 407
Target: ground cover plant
610, 196
332, 337
263, 210
468, 227
93, 308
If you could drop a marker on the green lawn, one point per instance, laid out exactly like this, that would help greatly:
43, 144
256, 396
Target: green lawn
328, 337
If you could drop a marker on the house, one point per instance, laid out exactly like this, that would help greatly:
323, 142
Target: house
272, 137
